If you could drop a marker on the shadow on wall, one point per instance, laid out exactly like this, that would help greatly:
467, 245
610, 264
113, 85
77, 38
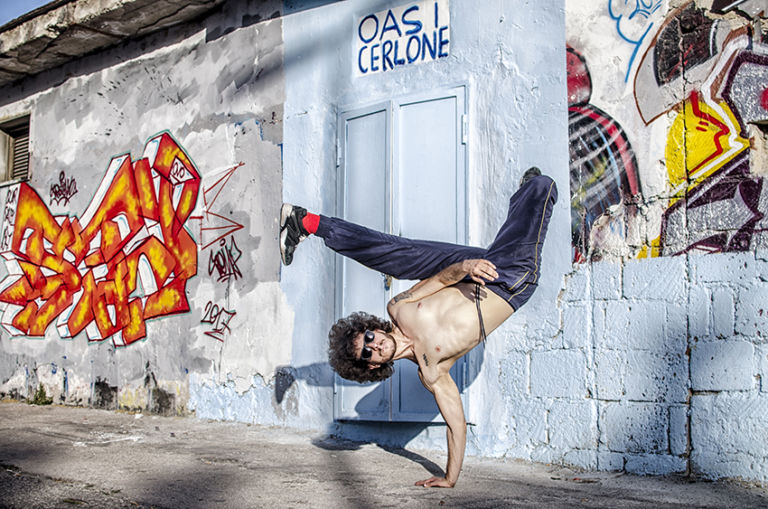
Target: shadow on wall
225, 19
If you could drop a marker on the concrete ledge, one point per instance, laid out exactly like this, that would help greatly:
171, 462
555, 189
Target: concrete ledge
62, 31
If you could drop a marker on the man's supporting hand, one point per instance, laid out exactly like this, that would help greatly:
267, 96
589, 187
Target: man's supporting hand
436, 482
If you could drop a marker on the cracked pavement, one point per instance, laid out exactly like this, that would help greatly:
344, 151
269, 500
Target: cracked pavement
55, 456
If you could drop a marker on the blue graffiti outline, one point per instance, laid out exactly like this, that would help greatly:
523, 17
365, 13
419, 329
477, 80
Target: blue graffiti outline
644, 8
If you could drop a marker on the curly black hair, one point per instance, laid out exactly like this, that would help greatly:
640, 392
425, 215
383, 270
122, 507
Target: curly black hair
341, 348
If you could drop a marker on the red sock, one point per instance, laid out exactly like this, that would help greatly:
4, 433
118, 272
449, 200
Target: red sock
310, 222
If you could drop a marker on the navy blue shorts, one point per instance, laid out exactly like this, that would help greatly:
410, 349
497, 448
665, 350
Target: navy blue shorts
516, 250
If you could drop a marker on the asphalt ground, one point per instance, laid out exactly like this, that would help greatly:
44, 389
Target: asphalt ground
65, 457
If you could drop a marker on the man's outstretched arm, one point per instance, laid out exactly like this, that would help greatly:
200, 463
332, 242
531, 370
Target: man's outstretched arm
449, 402
478, 269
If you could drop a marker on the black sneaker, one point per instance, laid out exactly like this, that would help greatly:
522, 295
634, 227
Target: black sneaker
529, 174
291, 230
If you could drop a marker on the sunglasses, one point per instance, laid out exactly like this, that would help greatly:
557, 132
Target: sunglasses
368, 338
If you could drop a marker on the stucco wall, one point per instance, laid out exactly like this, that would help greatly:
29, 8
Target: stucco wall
144, 278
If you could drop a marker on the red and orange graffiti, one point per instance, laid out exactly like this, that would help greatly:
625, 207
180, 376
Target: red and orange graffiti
128, 264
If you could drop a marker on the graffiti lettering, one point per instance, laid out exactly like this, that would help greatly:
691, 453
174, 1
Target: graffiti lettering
224, 261
64, 190
703, 82
9, 216
219, 318
129, 262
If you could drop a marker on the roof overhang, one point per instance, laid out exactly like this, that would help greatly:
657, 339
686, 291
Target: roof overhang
64, 30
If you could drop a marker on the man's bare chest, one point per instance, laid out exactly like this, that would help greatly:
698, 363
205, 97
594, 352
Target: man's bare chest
442, 327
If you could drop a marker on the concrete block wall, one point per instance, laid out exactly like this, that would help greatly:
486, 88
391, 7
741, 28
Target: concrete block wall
671, 295
671, 372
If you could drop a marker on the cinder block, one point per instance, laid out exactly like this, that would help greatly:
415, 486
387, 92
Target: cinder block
752, 311
723, 312
664, 278
599, 313
573, 425
634, 325
720, 267
513, 375
582, 459
640, 428
730, 267
678, 430
656, 376
761, 356
544, 454
610, 461
655, 464
610, 368
737, 465
723, 366
559, 374
729, 424
606, 280
577, 283
577, 326
698, 312
531, 423
676, 328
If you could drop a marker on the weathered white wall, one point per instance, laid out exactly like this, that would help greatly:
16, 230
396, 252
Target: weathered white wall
224, 106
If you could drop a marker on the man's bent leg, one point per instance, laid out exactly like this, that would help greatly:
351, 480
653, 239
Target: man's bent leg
398, 257
516, 251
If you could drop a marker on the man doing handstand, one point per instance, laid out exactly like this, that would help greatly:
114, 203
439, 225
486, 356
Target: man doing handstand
447, 313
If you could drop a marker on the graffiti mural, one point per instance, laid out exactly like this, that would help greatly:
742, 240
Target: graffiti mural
634, 21
126, 260
603, 166
702, 74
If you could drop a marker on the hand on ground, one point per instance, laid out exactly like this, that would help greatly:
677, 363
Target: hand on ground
435, 482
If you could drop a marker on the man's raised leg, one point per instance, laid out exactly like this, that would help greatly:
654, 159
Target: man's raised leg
396, 256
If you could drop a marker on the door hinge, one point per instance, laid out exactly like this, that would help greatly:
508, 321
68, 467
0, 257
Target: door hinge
464, 129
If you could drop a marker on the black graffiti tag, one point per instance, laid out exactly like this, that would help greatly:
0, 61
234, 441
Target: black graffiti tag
219, 318
224, 261
64, 190
9, 218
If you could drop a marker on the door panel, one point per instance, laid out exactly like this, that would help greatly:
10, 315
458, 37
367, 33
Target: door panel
428, 206
365, 172
402, 171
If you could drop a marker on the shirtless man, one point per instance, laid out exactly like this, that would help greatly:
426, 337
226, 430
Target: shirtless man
447, 313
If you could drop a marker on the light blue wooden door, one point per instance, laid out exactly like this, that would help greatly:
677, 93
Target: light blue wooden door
364, 173
402, 170
429, 203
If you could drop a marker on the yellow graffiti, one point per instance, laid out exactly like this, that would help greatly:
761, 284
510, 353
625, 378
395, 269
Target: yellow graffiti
701, 140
